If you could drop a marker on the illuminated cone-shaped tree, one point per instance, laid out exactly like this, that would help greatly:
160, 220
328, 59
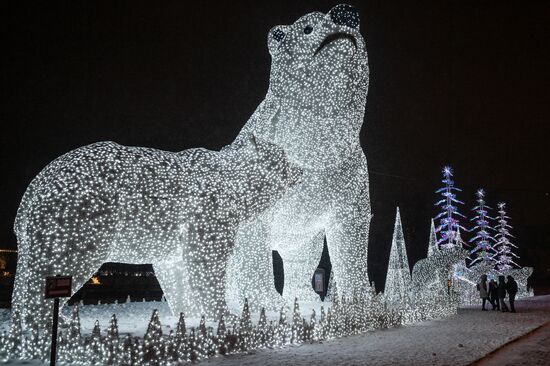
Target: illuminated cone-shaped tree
221, 333
201, 344
262, 323
322, 326
398, 278
125, 352
330, 324
271, 334
152, 342
222, 329
180, 341
181, 329
448, 217
170, 347
261, 330
96, 345
111, 341
283, 328
432, 244
194, 346
245, 328
202, 326
210, 343
484, 251
504, 256
313, 333
297, 324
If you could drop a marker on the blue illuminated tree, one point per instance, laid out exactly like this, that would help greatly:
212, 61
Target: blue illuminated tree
504, 256
484, 250
449, 224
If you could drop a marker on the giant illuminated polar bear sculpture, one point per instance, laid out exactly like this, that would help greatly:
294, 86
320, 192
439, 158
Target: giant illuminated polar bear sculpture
314, 110
111, 203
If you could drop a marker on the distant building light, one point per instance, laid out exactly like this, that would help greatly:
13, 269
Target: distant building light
95, 280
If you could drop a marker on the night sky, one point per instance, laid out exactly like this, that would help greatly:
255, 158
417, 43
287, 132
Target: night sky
464, 83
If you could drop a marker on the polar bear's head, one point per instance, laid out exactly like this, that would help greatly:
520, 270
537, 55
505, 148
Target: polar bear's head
320, 61
319, 82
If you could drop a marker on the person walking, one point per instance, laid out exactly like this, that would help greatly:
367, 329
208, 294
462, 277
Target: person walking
512, 289
493, 294
483, 293
502, 293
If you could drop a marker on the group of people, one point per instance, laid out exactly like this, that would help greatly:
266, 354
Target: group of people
495, 293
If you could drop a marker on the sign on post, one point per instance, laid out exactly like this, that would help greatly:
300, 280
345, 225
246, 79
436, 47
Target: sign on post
56, 287
59, 286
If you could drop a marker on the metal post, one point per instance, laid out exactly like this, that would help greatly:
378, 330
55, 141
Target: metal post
54, 331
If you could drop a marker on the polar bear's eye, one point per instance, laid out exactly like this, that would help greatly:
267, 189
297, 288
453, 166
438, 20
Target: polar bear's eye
278, 35
308, 29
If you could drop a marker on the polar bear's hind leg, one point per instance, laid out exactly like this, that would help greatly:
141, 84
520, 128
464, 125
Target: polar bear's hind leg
62, 239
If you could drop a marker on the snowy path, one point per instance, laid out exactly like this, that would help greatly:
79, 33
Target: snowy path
532, 349
459, 340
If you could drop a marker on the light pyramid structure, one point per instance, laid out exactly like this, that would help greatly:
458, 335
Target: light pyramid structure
398, 278
432, 244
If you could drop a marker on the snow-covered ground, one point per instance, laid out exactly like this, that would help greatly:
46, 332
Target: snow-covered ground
458, 340
531, 349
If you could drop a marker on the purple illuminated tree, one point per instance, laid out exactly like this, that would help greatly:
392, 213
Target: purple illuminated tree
504, 256
484, 250
449, 224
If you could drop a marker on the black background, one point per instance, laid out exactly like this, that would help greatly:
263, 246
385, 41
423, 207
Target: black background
464, 83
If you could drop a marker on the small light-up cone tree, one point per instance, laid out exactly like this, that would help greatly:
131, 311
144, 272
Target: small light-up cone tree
484, 250
504, 256
432, 244
448, 217
398, 278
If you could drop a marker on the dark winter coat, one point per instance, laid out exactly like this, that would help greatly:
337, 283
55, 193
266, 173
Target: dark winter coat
482, 288
501, 288
512, 287
493, 290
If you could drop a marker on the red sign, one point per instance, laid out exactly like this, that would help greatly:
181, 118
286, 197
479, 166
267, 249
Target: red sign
59, 286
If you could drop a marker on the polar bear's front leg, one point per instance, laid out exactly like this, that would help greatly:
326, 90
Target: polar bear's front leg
300, 263
250, 269
347, 238
172, 278
205, 254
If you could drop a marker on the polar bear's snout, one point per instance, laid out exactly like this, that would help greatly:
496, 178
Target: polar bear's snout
344, 14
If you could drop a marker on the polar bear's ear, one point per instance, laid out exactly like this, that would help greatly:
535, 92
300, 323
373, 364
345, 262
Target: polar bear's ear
346, 15
253, 140
254, 143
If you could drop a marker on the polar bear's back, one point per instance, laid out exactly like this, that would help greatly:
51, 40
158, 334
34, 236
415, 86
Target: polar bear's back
83, 191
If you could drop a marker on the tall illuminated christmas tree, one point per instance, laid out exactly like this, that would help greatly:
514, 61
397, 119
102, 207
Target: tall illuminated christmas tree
484, 250
504, 256
398, 278
449, 224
